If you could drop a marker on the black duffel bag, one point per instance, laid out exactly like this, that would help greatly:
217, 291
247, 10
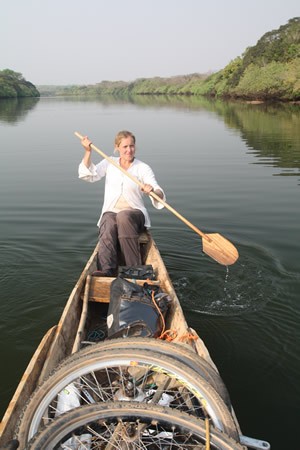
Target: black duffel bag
132, 311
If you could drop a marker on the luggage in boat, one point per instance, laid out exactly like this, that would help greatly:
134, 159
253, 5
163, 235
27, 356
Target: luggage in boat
136, 310
145, 272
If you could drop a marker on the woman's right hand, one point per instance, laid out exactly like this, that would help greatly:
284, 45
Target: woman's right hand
86, 143
88, 151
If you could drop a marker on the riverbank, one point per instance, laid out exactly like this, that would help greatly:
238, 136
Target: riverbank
268, 71
274, 82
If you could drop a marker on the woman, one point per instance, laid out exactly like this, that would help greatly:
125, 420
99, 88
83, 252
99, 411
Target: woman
123, 215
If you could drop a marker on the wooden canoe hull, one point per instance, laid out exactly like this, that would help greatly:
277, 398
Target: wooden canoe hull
58, 342
29, 381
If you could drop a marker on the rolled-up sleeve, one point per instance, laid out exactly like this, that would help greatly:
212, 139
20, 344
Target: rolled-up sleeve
156, 203
93, 173
149, 178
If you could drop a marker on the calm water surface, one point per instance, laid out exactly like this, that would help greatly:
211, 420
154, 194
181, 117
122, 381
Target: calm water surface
230, 168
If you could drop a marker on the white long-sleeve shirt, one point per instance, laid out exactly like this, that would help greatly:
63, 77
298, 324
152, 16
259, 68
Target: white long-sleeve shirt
117, 183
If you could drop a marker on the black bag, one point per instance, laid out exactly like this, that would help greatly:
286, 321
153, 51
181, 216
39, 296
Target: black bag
132, 311
137, 272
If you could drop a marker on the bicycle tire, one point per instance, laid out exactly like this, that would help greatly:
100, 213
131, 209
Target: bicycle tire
82, 366
179, 351
130, 425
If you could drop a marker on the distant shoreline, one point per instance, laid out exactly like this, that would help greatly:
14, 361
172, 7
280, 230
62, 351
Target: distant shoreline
245, 99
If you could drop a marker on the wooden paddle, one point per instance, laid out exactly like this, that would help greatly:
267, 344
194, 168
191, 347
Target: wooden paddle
214, 245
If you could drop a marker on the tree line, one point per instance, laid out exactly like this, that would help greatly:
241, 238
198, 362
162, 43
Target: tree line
13, 85
268, 70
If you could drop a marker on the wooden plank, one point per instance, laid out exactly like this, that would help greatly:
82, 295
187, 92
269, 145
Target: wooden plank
98, 300
100, 288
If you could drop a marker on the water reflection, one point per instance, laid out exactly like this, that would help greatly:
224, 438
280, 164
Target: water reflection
13, 110
270, 131
158, 101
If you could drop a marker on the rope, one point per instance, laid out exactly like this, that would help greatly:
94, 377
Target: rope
170, 335
188, 336
97, 334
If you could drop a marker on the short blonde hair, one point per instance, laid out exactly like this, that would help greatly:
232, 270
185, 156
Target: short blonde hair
121, 135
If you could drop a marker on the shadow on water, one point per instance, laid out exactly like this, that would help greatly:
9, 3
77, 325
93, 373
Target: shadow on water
14, 110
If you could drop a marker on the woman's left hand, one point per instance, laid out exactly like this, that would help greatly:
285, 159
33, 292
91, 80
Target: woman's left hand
147, 188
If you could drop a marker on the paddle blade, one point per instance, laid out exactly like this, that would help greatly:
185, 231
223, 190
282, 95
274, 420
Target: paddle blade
220, 249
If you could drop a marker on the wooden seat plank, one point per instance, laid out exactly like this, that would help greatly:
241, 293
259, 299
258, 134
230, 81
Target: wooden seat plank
100, 288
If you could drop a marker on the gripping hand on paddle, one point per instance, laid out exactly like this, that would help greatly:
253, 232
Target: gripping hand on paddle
86, 143
147, 188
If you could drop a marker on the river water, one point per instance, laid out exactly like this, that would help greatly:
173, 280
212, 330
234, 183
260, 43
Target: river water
229, 168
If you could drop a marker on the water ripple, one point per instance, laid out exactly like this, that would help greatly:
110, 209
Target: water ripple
247, 286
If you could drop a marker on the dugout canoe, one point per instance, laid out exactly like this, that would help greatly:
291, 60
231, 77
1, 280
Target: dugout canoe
63, 339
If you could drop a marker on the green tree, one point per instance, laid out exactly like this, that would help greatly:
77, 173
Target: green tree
13, 84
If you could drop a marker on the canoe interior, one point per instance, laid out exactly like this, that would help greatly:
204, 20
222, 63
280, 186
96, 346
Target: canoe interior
58, 342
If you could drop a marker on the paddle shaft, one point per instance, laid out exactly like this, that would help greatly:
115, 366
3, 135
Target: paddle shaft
153, 195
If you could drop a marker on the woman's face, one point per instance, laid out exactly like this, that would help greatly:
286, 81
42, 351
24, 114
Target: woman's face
127, 149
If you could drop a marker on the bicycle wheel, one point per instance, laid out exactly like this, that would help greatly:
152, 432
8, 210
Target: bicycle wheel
180, 352
128, 425
124, 374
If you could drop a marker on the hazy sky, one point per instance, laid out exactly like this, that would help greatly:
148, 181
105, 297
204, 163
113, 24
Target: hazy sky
86, 41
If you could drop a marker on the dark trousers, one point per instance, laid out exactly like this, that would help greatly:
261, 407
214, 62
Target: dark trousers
123, 228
